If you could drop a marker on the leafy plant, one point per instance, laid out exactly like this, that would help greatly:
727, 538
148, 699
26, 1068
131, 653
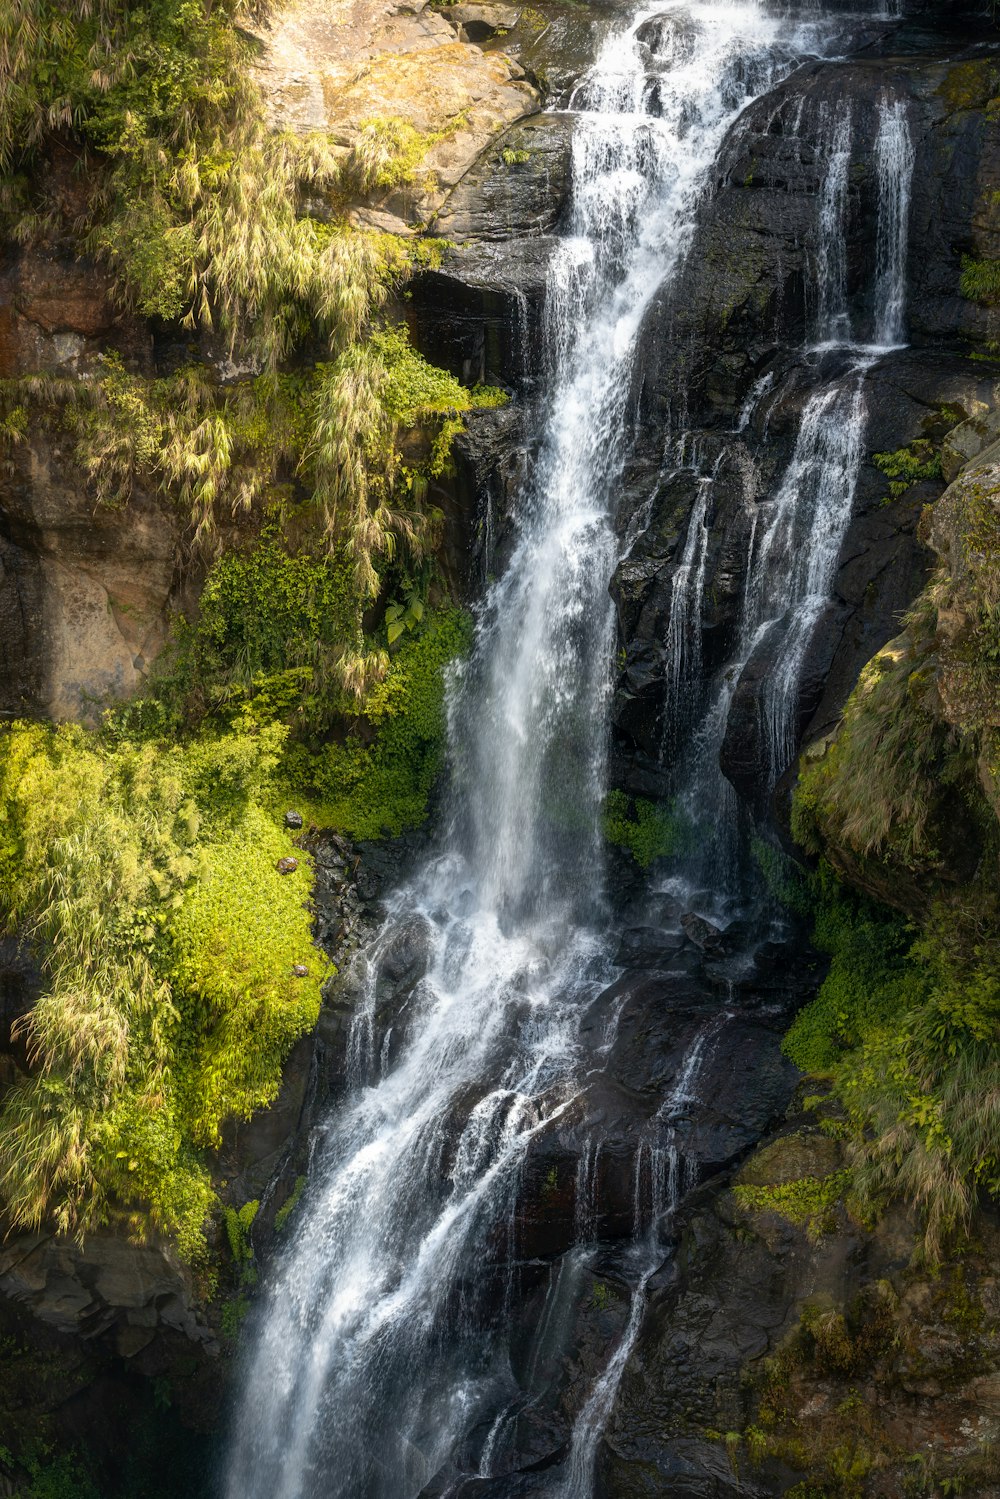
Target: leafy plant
649, 831
144, 874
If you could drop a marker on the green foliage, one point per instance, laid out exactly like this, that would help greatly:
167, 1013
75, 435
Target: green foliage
511, 158
981, 281
808, 1202
59, 1477
233, 1315
387, 153
369, 789
601, 1296
202, 212
170, 1002
239, 1222
875, 789
908, 466
871, 975
278, 638
648, 830
904, 1026
288, 1207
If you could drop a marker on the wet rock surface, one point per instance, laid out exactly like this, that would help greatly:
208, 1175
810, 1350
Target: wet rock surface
726, 365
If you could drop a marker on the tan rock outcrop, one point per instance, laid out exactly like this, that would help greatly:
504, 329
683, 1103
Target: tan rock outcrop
334, 65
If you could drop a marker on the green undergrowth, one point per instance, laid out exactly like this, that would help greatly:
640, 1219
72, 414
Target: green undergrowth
904, 1029
298, 446
908, 466
905, 1025
376, 787
145, 875
808, 1201
208, 218
981, 281
648, 830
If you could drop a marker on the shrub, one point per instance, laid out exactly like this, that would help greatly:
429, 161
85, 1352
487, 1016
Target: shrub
369, 789
170, 1001
648, 830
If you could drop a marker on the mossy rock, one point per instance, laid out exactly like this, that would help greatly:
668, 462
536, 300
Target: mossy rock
791, 1158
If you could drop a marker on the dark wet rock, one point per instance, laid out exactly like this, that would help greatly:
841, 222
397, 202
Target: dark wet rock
555, 42
703, 933
517, 189
293, 819
733, 1294
287, 865
480, 314
647, 947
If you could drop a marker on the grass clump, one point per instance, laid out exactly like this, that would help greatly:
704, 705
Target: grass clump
207, 217
144, 875
905, 1024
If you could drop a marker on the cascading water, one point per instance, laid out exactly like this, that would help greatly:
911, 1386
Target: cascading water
895, 158
669, 1175
833, 319
380, 1345
796, 535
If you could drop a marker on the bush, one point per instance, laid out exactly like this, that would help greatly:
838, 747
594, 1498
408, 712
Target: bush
366, 789
648, 830
170, 1001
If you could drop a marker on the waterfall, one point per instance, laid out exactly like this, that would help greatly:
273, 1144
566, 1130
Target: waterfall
895, 157
669, 1174
684, 628
380, 1346
797, 558
796, 534
833, 319
798, 554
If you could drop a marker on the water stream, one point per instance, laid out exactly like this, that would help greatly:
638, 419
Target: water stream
796, 532
382, 1340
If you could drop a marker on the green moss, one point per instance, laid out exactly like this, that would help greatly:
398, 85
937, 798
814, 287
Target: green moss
288, 1207
970, 85
512, 158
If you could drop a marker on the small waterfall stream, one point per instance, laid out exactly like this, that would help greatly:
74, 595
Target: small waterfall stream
381, 1347
796, 533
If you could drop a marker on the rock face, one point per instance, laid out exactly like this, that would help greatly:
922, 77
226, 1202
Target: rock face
86, 589
83, 591
82, 607
737, 322
774, 1350
336, 66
